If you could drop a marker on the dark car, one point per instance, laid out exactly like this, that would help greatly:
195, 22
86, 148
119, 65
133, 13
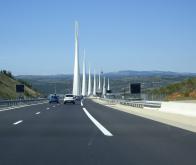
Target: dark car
53, 99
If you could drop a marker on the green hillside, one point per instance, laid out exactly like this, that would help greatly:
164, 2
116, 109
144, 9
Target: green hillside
8, 87
179, 91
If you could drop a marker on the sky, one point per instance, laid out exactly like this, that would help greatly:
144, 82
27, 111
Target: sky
37, 36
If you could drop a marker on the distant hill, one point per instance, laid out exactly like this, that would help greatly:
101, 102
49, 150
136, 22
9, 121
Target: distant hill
148, 73
179, 91
118, 80
8, 85
46, 84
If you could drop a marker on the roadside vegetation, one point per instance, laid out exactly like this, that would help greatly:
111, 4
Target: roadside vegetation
185, 90
8, 86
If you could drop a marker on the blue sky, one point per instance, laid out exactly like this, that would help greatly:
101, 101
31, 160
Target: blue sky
37, 36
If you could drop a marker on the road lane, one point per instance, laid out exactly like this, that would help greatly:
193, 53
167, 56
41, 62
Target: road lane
145, 141
24, 113
52, 138
65, 135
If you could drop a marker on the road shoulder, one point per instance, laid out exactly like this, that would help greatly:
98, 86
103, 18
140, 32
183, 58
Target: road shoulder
180, 121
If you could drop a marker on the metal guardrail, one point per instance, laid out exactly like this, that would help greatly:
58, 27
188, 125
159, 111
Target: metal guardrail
9, 103
138, 104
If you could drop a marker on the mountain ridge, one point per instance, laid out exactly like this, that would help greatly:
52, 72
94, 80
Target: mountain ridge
122, 73
149, 73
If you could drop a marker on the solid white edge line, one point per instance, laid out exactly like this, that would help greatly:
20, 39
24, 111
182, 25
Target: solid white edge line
37, 113
101, 127
20, 121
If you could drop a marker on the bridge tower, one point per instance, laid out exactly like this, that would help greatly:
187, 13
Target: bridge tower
76, 76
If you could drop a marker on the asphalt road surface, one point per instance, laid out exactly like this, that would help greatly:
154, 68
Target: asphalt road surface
57, 134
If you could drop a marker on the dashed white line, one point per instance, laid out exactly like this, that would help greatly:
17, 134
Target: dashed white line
54, 106
82, 104
21, 106
37, 113
47, 108
18, 122
101, 127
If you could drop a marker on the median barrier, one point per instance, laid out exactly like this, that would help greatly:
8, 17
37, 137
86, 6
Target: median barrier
10, 103
137, 104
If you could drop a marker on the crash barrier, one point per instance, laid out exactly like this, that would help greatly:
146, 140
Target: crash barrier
137, 104
181, 108
9, 103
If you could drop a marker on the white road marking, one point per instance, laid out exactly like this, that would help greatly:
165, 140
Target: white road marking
101, 127
81, 103
20, 106
47, 108
20, 121
37, 113
54, 106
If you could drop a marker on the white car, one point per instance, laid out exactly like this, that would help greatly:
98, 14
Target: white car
69, 98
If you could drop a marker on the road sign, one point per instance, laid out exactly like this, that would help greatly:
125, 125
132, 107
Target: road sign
108, 91
20, 88
135, 88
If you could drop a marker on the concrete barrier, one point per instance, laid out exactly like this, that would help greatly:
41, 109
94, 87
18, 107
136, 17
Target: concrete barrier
9, 103
138, 104
187, 109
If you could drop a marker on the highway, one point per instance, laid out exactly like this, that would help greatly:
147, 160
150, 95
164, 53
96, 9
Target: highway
90, 134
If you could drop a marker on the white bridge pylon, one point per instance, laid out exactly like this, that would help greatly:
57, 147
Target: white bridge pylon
79, 90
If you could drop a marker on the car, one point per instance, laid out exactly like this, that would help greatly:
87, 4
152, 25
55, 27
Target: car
69, 98
53, 99
78, 98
